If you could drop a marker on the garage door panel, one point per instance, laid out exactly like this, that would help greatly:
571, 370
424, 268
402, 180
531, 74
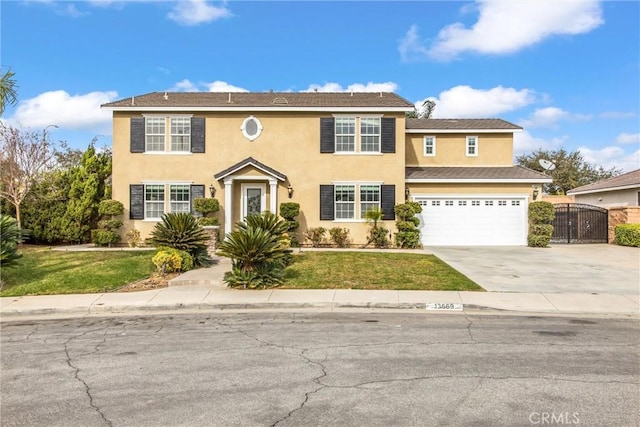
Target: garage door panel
472, 221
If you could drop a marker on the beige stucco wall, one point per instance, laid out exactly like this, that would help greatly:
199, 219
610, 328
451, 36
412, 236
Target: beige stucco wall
607, 199
289, 143
493, 150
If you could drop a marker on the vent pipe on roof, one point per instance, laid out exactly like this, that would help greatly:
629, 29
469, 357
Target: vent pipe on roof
351, 92
133, 101
229, 100
166, 95
380, 94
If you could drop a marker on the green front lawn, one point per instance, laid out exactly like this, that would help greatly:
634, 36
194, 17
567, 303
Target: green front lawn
42, 271
374, 270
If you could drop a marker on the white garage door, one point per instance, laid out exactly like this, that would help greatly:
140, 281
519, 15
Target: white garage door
468, 220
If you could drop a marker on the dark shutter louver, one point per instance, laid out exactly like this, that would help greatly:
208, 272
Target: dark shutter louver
388, 135
136, 201
388, 201
197, 134
137, 135
197, 192
326, 203
327, 135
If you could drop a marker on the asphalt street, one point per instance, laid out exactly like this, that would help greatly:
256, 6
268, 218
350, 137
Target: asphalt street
313, 369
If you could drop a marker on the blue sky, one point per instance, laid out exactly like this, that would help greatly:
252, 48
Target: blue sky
566, 70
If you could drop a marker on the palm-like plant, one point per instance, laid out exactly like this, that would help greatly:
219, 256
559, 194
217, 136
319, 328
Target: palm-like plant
10, 236
182, 231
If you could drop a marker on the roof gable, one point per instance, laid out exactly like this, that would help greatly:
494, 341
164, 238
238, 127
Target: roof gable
250, 161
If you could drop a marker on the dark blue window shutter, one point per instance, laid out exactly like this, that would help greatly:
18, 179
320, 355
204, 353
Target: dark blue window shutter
388, 201
136, 201
197, 192
388, 135
137, 135
327, 135
197, 134
326, 202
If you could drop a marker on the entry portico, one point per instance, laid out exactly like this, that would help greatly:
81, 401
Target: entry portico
250, 197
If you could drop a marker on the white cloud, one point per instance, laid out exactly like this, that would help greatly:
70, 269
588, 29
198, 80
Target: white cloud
77, 112
184, 86
195, 12
467, 102
354, 87
628, 138
220, 86
411, 48
611, 156
550, 116
507, 26
524, 142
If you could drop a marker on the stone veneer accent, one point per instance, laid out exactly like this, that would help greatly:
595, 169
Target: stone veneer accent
622, 215
212, 243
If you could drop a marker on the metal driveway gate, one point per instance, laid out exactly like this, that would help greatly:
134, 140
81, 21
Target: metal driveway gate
579, 223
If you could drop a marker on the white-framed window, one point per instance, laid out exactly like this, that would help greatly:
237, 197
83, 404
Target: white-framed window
180, 134
153, 200
370, 134
502, 203
475, 203
369, 198
251, 128
179, 198
168, 134
155, 128
429, 146
358, 134
462, 203
472, 146
448, 203
515, 203
345, 134
435, 203
345, 201
488, 202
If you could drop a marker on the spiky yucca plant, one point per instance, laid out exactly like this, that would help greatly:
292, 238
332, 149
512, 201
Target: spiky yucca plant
181, 231
10, 236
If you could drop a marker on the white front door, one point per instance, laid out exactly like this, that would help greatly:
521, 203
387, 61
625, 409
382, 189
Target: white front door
254, 199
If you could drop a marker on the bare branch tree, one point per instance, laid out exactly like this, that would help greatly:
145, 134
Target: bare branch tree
24, 157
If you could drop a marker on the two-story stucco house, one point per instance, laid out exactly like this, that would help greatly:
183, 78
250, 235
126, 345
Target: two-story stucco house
336, 154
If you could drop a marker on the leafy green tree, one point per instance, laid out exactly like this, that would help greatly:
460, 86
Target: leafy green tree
571, 170
8, 90
89, 186
425, 111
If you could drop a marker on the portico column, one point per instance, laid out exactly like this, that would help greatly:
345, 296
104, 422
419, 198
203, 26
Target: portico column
273, 199
228, 218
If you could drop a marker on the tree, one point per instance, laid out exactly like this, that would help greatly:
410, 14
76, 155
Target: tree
24, 157
8, 90
424, 112
571, 169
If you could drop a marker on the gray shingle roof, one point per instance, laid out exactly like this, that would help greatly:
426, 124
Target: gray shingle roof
462, 124
263, 99
253, 162
477, 172
628, 179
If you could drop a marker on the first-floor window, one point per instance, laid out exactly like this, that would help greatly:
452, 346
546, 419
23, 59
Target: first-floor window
154, 201
179, 198
369, 198
345, 201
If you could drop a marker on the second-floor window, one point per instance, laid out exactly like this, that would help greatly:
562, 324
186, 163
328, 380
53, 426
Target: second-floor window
357, 134
429, 146
472, 146
179, 134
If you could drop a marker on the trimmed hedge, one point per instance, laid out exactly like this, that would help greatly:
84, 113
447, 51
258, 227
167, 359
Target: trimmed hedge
628, 235
541, 214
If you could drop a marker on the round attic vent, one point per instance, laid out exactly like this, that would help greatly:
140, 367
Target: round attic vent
251, 128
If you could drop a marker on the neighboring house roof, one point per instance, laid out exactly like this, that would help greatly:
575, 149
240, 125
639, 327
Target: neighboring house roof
250, 161
621, 182
218, 101
457, 125
480, 174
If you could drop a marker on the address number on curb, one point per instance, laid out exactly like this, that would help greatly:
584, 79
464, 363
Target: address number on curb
444, 306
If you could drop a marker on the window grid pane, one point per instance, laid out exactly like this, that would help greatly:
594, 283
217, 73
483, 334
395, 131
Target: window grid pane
370, 134
154, 201
345, 201
429, 145
180, 133
154, 130
345, 134
369, 198
179, 195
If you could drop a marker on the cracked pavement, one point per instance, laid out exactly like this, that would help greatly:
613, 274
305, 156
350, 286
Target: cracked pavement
312, 369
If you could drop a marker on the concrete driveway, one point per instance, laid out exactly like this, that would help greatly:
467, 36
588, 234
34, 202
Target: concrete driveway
598, 268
